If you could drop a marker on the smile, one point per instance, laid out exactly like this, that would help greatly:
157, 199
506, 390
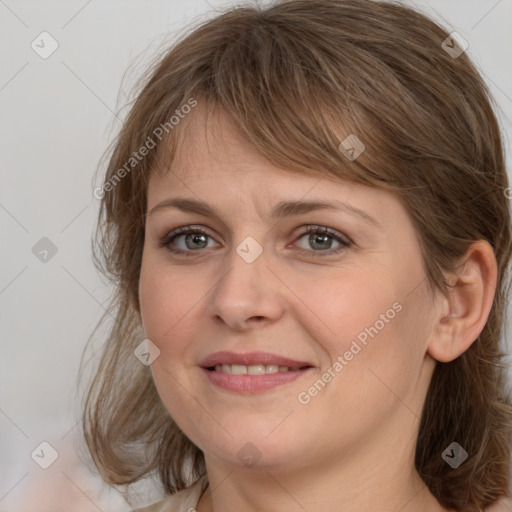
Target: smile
254, 369
252, 372
253, 378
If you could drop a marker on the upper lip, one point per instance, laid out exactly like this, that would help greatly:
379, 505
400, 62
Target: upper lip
250, 358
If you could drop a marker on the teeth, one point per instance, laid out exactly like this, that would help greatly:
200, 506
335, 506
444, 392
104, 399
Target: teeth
254, 369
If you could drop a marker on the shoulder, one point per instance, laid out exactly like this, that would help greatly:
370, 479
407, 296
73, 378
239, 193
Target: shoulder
183, 501
502, 505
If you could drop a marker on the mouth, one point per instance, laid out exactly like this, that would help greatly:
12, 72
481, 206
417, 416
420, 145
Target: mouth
251, 363
253, 369
252, 372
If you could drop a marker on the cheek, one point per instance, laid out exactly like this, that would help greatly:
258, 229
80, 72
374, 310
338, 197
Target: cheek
382, 359
366, 331
166, 299
347, 308
154, 299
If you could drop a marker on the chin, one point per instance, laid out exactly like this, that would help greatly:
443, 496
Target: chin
247, 452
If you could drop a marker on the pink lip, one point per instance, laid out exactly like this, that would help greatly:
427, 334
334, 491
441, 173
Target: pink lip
252, 383
251, 358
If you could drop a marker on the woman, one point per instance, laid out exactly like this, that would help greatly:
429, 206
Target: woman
306, 219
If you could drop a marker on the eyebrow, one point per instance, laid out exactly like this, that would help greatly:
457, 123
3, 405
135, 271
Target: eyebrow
279, 211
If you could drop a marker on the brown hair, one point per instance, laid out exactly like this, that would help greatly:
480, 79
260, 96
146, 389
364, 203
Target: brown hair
290, 75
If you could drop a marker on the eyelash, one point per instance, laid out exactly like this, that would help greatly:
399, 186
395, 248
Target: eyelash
345, 242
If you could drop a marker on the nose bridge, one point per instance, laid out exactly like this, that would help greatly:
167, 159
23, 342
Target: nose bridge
245, 290
244, 275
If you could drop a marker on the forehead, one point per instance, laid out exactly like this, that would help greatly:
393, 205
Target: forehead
210, 149
214, 162
210, 140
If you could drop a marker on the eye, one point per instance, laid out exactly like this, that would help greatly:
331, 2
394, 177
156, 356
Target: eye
320, 238
195, 238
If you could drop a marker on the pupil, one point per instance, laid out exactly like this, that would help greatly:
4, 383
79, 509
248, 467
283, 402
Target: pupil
195, 238
325, 239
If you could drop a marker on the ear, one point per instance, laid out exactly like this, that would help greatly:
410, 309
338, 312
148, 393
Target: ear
465, 309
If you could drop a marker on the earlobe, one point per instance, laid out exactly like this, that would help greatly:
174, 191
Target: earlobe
465, 309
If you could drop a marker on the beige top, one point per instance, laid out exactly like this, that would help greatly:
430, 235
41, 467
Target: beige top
502, 505
187, 499
183, 501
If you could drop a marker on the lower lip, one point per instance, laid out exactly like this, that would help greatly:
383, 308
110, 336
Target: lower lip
253, 383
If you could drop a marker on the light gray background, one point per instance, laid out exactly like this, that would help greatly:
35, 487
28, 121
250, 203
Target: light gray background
58, 114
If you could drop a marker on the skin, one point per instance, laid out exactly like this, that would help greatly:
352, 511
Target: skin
351, 448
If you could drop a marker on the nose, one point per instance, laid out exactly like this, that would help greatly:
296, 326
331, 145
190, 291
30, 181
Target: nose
246, 295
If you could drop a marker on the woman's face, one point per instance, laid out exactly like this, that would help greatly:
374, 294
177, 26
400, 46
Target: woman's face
359, 315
